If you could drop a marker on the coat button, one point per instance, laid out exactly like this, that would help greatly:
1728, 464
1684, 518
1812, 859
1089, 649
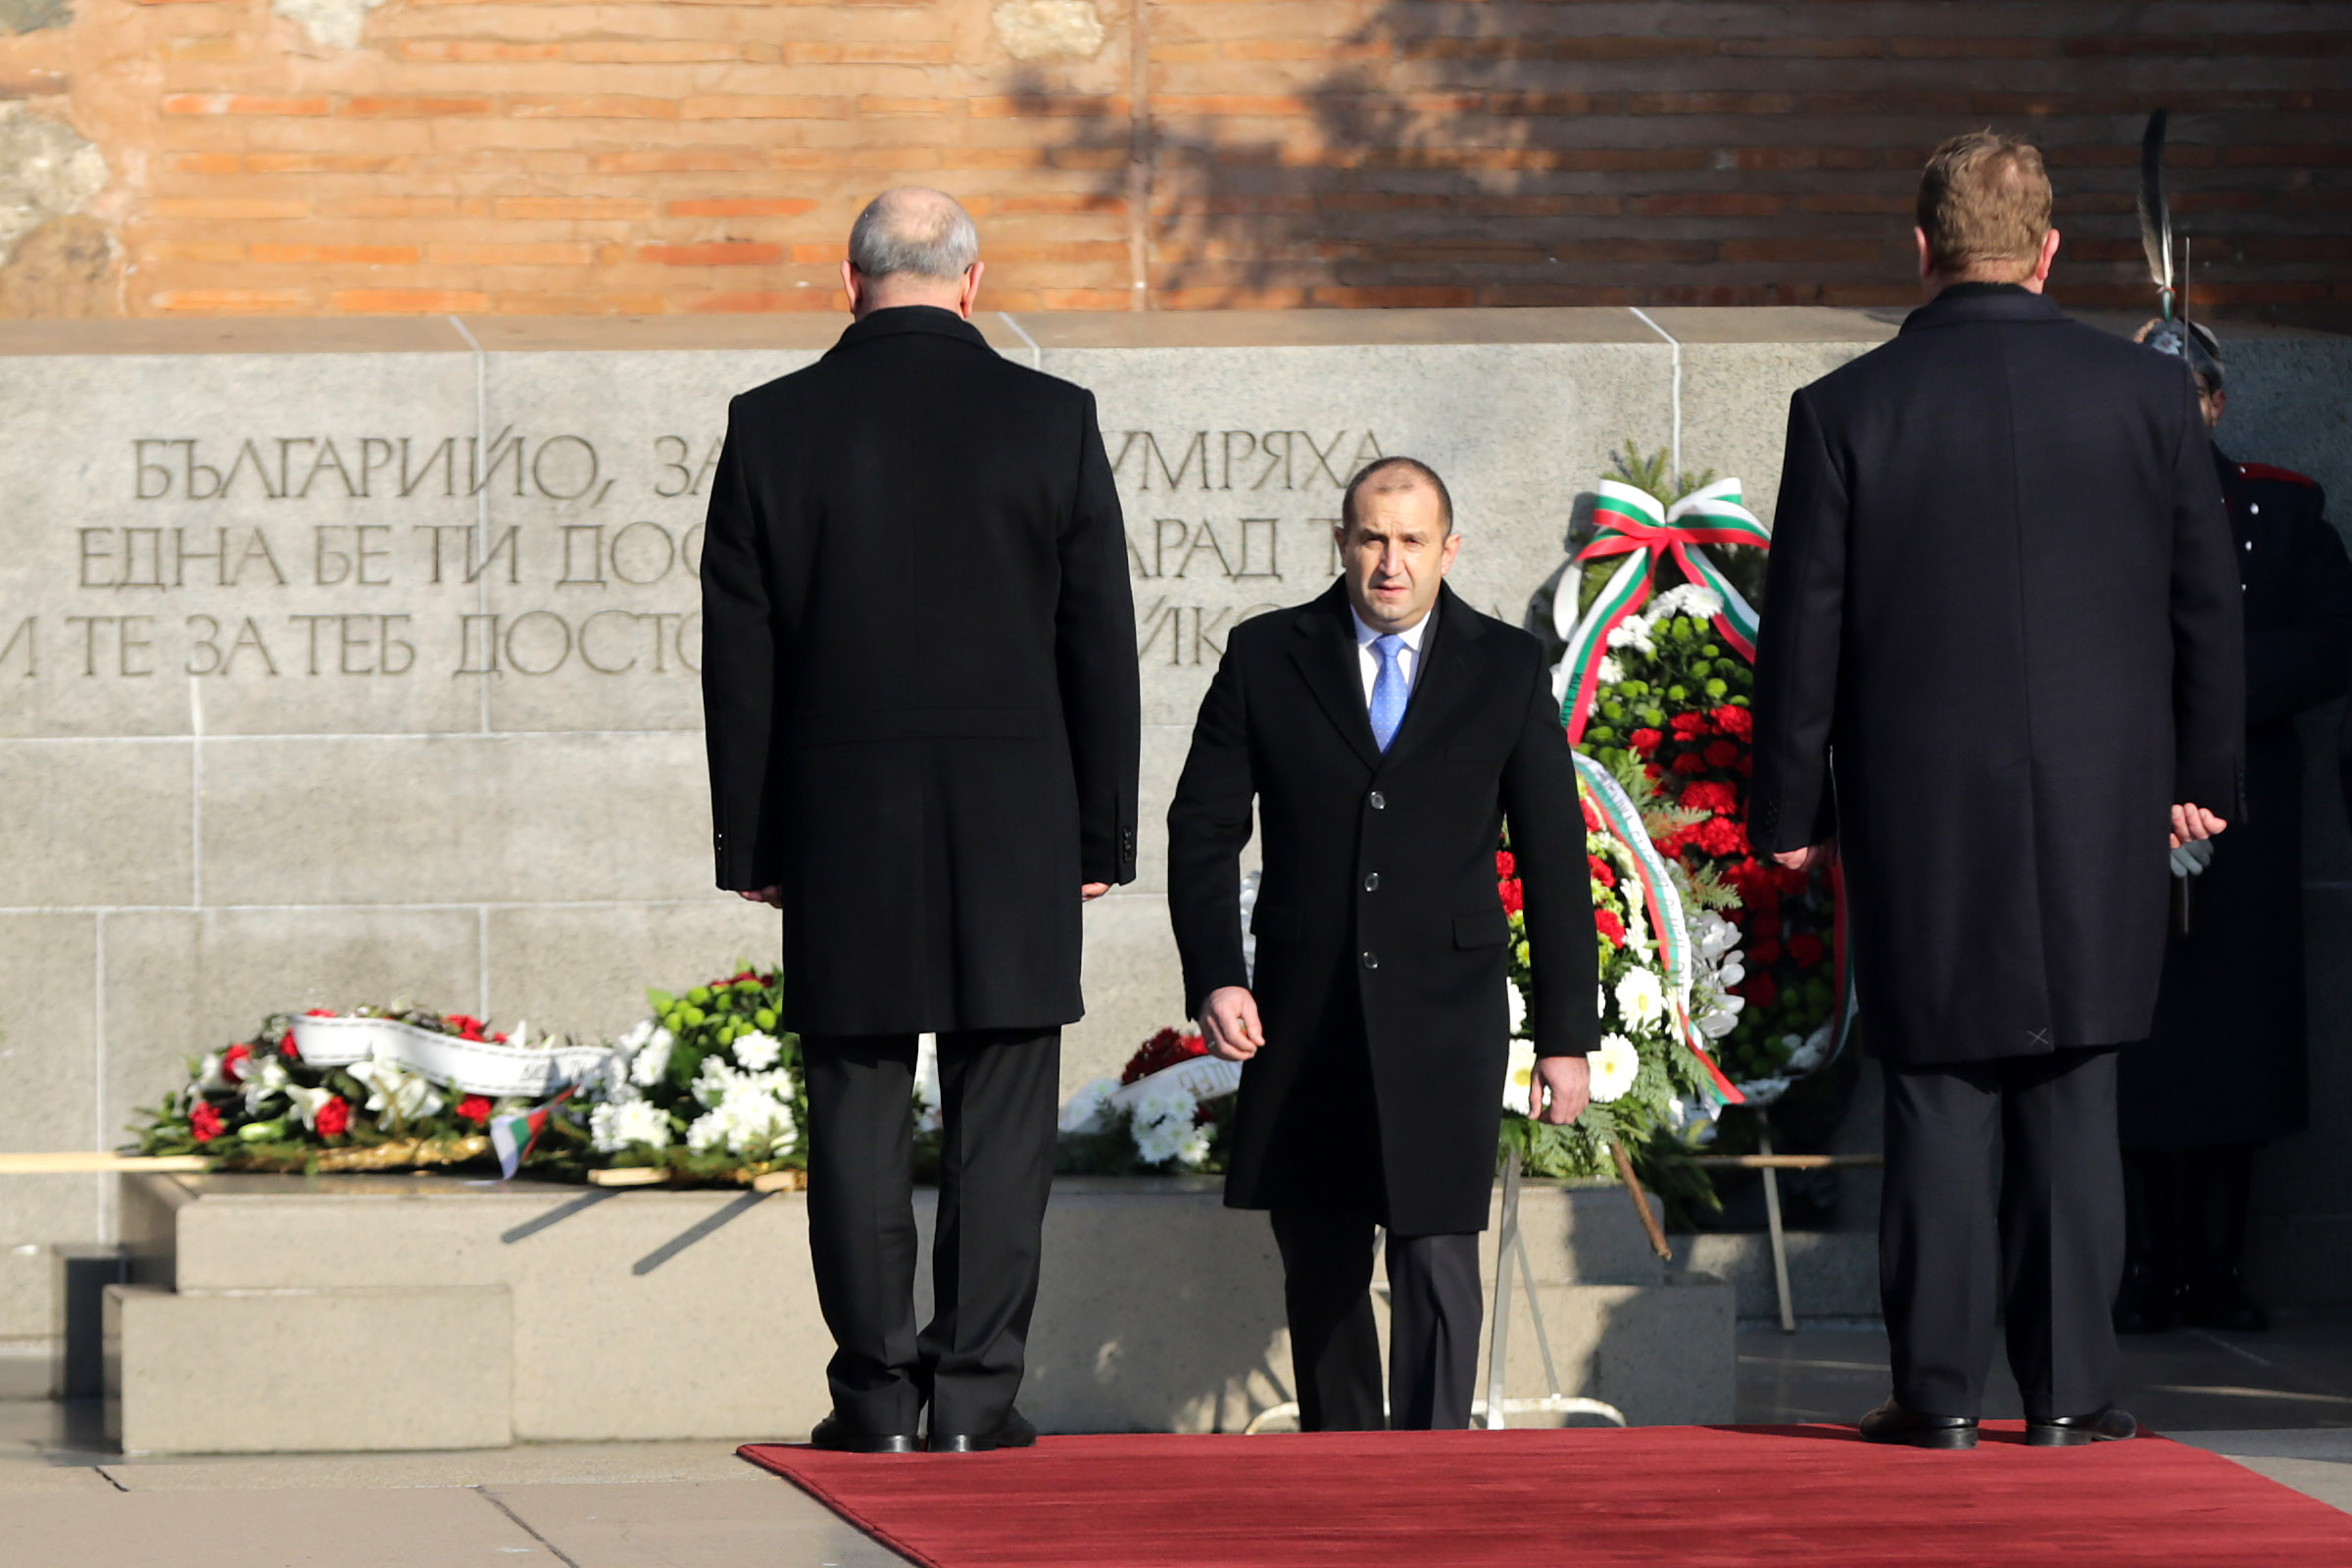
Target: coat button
1372, 883
1380, 801
1371, 960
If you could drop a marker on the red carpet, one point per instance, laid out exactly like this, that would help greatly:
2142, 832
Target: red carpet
1809, 1496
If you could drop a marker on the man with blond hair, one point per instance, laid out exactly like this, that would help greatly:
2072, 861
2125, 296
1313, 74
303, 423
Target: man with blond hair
2002, 670
920, 692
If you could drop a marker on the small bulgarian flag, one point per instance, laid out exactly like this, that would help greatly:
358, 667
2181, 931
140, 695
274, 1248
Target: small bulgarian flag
514, 1135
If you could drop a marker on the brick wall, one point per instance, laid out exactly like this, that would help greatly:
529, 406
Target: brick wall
558, 156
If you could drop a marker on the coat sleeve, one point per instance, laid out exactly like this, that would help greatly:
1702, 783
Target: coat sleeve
1548, 839
2307, 659
1790, 803
1209, 826
739, 674
1102, 700
2208, 639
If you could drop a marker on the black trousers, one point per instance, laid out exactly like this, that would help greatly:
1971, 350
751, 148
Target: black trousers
998, 1105
2048, 1224
1435, 1308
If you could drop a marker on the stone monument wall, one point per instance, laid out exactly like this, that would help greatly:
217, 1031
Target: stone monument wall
346, 661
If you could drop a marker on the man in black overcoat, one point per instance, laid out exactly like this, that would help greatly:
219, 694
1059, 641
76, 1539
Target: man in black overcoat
2002, 615
1384, 732
920, 688
2224, 1070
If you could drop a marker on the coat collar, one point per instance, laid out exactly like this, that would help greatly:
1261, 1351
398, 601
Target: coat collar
904, 318
1328, 656
1967, 303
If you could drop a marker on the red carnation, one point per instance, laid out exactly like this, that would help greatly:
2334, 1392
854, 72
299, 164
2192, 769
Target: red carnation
1514, 898
1722, 753
1693, 762
1591, 815
1687, 725
205, 1122
334, 1116
474, 1108
1605, 921
1602, 872
1506, 865
1764, 923
1652, 771
234, 1063
285, 1046
1737, 722
1709, 794
1644, 741
320, 1012
1759, 989
1806, 950
1764, 953
1721, 837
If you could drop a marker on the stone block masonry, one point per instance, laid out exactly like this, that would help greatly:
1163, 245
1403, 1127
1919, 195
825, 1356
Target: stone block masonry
480, 157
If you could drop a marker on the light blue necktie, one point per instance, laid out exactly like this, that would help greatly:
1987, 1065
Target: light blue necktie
1388, 690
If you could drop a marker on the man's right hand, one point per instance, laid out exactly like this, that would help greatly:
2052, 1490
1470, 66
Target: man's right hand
1230, 1025
2191, 822
773, 897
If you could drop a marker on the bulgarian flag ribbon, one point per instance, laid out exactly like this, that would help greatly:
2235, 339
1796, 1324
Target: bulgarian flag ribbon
1663, 906
514, 1135
1632, 523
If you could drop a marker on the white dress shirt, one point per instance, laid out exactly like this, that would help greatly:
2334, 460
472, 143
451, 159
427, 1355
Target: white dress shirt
1408, 658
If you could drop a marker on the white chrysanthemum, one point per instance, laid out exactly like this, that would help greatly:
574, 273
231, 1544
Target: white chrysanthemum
615, 1127
652, 1058
1689, 598
712, 1079
1516, 1000
1614, 1066
927, 1118
759, 1050
1089, 1110
1640, 1000
1518, 1076
1611, 671
210, 1076
1161, 1124
1631, 632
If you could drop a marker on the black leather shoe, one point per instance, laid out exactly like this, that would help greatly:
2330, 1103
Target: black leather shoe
837, 1436
1015, 1433
1891, 1423
2110, 1425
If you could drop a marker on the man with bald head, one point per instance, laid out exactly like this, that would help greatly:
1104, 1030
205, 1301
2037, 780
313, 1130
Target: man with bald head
920, 693
1384, 733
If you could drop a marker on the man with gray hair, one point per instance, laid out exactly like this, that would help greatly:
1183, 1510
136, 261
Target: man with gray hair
920, 693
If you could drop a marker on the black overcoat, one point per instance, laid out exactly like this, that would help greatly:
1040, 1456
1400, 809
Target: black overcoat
919, 678
2001, 604
2227, 1063
1382, 962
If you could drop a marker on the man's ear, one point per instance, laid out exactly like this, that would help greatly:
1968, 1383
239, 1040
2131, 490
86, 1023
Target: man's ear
851, 285
2050, 253
1927, 258
1453, 548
